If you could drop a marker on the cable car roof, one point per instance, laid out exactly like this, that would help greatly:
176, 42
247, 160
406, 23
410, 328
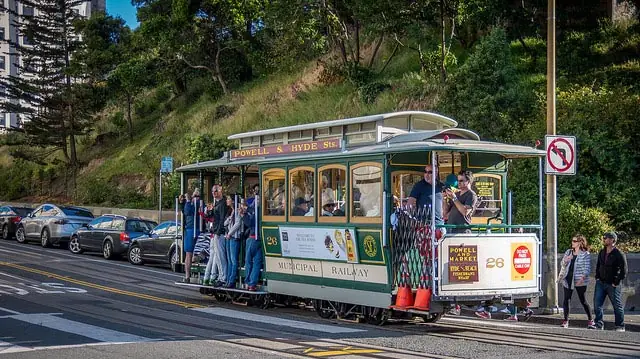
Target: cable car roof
434, 144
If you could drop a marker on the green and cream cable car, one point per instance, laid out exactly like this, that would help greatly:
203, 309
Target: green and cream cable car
335, 230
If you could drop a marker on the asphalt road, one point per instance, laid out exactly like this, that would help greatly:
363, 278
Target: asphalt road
60, 305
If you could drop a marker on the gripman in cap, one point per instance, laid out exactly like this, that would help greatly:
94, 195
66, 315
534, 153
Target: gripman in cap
611, 269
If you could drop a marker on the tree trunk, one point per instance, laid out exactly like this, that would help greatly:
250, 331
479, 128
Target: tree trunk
393, 53
129, 120
218, 73
357, 56
443, 69
375, 50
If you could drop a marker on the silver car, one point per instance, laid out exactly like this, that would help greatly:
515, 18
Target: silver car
51, 224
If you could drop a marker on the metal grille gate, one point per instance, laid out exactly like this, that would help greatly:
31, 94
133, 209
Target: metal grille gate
411, 249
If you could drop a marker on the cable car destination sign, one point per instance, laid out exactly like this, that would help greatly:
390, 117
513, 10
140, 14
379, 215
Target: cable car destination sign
287, 149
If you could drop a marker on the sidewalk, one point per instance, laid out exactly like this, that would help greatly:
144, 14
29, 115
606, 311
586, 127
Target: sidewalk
577, 319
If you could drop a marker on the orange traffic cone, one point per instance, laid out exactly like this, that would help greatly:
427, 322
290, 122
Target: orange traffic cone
404, 297
423, 299
423, 296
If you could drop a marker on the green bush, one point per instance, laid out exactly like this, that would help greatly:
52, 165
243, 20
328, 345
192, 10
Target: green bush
574, 218
205, 148
486, 94
97, 191
15, 180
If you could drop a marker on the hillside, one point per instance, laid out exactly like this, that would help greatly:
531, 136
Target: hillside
495, 88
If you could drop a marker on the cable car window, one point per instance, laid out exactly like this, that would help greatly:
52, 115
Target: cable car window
273, 194
332, 193
301, 194
366, 192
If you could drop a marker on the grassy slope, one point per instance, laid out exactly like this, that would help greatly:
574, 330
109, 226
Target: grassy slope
278, 100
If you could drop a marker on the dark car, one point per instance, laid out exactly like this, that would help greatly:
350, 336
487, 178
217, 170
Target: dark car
158, 247
10, 216
110, 234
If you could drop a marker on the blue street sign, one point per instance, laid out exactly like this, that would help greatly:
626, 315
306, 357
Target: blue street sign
166, 165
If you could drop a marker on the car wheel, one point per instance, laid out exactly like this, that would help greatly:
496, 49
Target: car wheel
5, 232
44, 238
20, 235
107, 250
135, 255
74, 245
174, 260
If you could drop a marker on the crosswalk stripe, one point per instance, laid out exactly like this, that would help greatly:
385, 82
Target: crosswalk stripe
6, 347
223, 312
78, 328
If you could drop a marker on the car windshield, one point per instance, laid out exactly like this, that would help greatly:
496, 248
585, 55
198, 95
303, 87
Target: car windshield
139, 226
22, 212
78, 212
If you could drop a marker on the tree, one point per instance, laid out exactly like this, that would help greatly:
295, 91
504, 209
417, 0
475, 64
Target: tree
50, 107
105, 43
128, 79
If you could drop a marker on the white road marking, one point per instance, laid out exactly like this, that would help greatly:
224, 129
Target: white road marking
19, 349
9, 311
13, 276
78, 328
334, 329
28, 254
6, 347
265, 344
81, 258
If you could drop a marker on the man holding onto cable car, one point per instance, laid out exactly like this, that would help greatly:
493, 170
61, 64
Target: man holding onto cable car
421, 193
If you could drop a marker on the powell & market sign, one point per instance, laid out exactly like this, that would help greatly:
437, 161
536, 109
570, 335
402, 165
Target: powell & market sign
291, 148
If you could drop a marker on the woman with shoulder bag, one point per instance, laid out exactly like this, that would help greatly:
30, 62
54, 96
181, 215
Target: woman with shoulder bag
574, 274
233, 223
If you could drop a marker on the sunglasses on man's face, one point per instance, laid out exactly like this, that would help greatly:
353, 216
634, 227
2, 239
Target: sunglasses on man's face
427, 171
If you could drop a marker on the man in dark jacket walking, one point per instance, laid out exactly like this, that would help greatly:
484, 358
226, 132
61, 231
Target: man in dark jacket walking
611, 269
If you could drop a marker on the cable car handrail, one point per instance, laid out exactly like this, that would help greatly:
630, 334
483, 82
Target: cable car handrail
485, 226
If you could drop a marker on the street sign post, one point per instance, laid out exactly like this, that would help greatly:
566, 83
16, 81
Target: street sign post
166, 166
561, 155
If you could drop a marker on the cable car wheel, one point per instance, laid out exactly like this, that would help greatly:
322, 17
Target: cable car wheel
376, 316
431, 317
325, 309
262, 301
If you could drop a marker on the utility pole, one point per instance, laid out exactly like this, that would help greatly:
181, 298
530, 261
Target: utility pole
551, 264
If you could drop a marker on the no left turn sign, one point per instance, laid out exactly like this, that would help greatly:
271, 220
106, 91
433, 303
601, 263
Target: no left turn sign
561, 155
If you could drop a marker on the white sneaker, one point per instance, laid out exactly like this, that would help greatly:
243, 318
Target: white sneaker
505, 311
620, 329
565, 324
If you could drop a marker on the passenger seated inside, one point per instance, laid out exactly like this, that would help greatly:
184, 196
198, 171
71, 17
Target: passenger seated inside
327, 192
328, 208
301, 207
279, 211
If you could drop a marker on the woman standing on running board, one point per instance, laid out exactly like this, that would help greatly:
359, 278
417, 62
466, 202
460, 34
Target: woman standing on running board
574, 274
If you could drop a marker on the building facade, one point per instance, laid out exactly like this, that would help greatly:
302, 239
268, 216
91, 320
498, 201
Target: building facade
8, 31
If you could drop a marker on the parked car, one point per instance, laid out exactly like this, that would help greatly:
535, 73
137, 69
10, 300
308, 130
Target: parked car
110, 234
158, 247
10, 216
51, 224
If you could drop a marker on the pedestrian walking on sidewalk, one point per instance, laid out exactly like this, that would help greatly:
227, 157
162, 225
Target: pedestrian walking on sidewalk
574, 274
611, 269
